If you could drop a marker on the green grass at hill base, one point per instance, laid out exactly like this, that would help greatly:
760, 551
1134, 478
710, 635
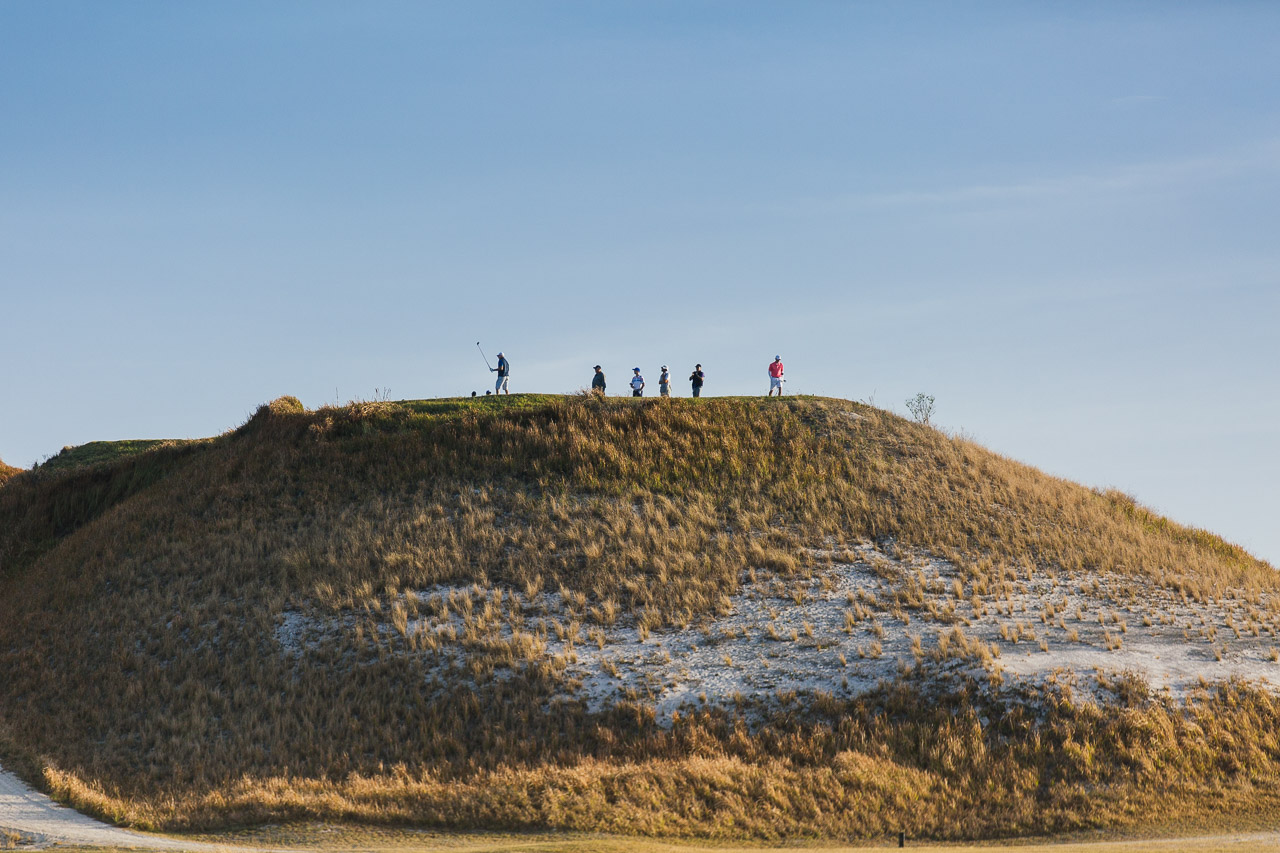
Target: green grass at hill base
349, 839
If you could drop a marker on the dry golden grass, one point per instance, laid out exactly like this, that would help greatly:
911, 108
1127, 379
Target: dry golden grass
874, 767
139, 598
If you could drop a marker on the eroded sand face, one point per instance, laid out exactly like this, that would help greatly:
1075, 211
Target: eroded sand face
842, 630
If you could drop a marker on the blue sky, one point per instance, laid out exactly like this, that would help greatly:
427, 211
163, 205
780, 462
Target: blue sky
1058, 219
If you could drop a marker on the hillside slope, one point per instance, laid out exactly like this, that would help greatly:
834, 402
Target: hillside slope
481, 612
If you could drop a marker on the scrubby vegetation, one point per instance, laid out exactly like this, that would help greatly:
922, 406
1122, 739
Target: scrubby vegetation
7, 471
143, 588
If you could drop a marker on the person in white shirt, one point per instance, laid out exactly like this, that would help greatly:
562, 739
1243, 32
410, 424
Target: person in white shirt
504, 371
637, 383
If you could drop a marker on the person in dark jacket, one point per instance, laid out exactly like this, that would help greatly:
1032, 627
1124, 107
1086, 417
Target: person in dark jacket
597, 382
697, 378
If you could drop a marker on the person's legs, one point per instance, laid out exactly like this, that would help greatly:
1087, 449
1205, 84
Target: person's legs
497, 385
697, 391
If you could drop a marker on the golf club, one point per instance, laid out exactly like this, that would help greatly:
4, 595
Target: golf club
485, 357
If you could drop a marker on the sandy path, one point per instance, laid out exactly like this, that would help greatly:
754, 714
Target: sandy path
31, 813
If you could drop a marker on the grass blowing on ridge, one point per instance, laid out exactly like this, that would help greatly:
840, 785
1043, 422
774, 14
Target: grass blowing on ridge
380, 612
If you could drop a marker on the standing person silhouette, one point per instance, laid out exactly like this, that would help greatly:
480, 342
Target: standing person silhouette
697, 378
597, 382
503, 370
664, 383
637, 383
775, 375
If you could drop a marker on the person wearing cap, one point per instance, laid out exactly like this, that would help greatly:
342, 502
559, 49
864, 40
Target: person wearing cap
775, 375
696, 378
503, 370
664, 383
597, 382
637, 383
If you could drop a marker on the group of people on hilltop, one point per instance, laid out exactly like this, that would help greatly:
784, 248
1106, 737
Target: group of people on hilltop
696, 379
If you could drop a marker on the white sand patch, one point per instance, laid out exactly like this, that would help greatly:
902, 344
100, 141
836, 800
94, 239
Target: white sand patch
290, 631
1163, 664
841, 630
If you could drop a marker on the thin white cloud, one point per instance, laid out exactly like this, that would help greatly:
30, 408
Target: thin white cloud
1135, 177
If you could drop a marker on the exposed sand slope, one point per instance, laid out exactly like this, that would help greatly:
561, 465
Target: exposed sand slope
842, 632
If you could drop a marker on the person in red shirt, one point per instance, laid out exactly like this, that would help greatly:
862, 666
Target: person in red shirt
775, 375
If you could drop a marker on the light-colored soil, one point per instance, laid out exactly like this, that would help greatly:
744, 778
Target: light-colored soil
40, 822
868, 617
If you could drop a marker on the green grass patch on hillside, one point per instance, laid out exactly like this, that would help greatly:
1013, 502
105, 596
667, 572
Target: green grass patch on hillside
100, 452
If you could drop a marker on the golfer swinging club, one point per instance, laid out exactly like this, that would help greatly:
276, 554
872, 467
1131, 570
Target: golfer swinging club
503, 370
775, 375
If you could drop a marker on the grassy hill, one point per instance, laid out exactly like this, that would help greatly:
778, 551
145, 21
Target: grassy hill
380, 612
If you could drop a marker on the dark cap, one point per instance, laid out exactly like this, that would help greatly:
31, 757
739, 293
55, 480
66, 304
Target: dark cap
597, 367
